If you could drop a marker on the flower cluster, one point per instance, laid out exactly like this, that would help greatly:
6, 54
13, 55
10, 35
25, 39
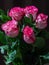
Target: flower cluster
23, 35
12, 28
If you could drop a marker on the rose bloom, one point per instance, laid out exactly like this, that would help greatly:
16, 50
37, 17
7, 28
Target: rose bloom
28, 35
41, 21
11, 28
16, 13
31, 10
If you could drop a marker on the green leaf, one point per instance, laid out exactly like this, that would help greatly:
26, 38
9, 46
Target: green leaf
4, 18
39, 43
45, 34
13, 44
1, 12
46, 56
11, 56
3, 48
10, 40
3, 38
28, 20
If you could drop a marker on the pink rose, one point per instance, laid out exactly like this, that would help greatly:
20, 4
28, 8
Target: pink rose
31, 10
16, 13
41, 21
28, 35
11, 28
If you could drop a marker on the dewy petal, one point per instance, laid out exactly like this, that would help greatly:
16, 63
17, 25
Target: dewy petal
31, 10
11, 29
41, 21
16, 13
28, 35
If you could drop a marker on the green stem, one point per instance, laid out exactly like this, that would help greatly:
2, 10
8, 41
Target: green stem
40, 61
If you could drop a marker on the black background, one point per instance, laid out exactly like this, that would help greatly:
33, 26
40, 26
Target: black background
42, 5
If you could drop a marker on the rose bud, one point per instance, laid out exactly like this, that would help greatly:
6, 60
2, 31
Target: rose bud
28, 35
31, 10
41, 21
16, 13
11, 28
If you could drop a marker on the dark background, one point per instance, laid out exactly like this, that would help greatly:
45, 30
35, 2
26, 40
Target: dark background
42, 5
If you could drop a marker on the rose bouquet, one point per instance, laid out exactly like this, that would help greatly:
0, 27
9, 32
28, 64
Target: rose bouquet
23, 36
